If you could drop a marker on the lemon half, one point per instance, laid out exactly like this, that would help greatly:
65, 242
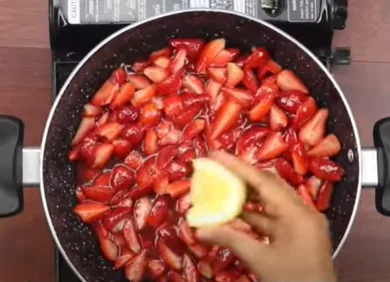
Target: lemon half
217, 195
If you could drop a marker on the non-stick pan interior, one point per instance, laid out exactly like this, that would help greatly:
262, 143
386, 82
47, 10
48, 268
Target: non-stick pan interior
135, 43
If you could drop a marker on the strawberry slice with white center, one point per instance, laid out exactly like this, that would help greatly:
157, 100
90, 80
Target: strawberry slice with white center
162, 62
179, 60
226, 118
141, 212
150, 142
135, 269
277, 118
162, 52
173, 105
299, 157
124, 96
314, 130
91, 111
234, 75
204, 268
264, 100
125, 256
170, 258
224, 57
272, 147
194, 129
156, 74
110, 130
134, 160
109, 249
241, 96
89, 211
287, 80
185, 233
114, 220
98, 193
103, 153
156, 268
144, 95
139, 81
218, 74
189, 270
314, 184
193, 84
249, 81
105, 94
172, 138
131, 237
86, 124
328, 147
209, 52
172, 84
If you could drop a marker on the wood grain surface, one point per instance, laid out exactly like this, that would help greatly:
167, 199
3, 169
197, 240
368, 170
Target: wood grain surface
26, 247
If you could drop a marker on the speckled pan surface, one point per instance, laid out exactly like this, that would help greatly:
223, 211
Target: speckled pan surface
135, 43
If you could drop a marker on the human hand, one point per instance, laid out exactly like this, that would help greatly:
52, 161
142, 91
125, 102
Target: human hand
300, 248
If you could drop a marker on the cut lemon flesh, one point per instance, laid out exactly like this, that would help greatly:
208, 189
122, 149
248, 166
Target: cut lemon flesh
217, 195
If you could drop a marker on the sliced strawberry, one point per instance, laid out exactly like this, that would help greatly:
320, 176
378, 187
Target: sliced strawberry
146, 173
287, 80
193, 84
141, 212
273, 67
122, 148
249, 81
172, 84
127, 115
134, 160
124, 95
80, 195
187, 115
179, 60
139, 81
118, 197
224, 257
123, 258
290, 137
105, 94
241, 96
109, 249
142, 191
326, 169
172, 138
250, 154
183, 204
85, 174
193, 129
185, 233
277, 118
86, 124
103, 154
135, 269
193, 46
150, 115
175, 277
122, 177
144, 95
156, 74
172, 105
165, 156
209, 52
89, 212
139, 66
100, 231
324, 196
313, 131
227, 276
291, 100
103, 119
212, 89
252, 135
299, 158
229, 138
190, 99
305, 112
258, 58
134, 133
114, 220
328, 147
198, 250
162, 52
120, 240
304, 193
91, 111
102, 179
234, 75
156, 268
272, 147
163, 128
162, 62
150, 142
170, 258
287, 172
189, 269
110, 130
243, 278
160, 184
118, 76
218, 74
126, 203
178, 188
226, 118
98, 193
159, 212
314, 184
87, 151
131, 236
223, 57
264, 99
204, 268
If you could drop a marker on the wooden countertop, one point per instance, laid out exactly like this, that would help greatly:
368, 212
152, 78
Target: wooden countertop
27, 250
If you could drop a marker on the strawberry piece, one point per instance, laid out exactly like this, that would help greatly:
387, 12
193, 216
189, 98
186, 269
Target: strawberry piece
102, 179
144, 95
226, 118
85, 174
193, 84
178, 188
118, 197
223, 258
103, 119
272, 147
124, 95
156, 268
110, 130
223, 57
165, 156
87, 151
227, 276
234, 75
134, 160
150, 142
173, 105
162, 52
141, 212
190, 99
122, 148
170, 258
204, 268
139, 81
290, 137
314, 184
134, 270
98, 193
133, 133
313, 131
124, 258
187, 156
131, 237
109, 249
86, 124
175, 277
273, 67
120, 240
179, 60
187, 115
277, 118
183, 204
209, 52
287, 80
326, 169
189, 270
249, 81
150, 115
212, 89
160, 184
328, 147
198, 250
250, 136
127, 115
287, 172
324, 196
139, 66
299, 158
80, 195
178, 170
241, 96
162, 62
291, 100
304, 193
89, 212
264, 99
115, 219
193, 46
243, 278
185, 233
200, 147
91, 111
305, 112
122, 177
257, 59
146, 173
172, 138
218, 74
156, 74
163, 128
118, 76
100, 231
229, 138
105, 94
159, 212
103, 154
193, 129
172, 84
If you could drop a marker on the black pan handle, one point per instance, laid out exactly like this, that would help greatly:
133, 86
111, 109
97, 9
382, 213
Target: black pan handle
11, 165
382, 144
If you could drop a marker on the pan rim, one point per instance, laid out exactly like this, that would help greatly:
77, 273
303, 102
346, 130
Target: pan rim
209, 10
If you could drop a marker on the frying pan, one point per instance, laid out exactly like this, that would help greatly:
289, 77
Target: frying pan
50, 167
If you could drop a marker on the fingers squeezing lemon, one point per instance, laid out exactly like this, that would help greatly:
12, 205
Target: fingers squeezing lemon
217, 195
